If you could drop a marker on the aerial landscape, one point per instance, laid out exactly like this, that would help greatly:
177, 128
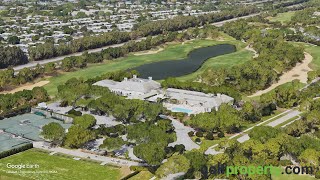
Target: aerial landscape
159, 89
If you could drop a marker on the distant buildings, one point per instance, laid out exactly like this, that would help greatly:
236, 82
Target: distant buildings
176, 100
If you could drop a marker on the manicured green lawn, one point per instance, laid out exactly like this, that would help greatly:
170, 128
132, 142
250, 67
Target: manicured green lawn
66, 168
315, 53
282, 17
170, 52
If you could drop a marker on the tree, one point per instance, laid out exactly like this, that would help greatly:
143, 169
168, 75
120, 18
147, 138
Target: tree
86, 121
111, 144
296, 128
250, 113
310, 157
49, 67
197, 160
77, 136
11, 56
152, 153
53, 131
13, 40
287, 96
214, 160
175, 164
263, 133
67, 64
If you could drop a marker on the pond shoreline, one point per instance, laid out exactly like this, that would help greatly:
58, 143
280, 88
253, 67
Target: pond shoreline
175, 68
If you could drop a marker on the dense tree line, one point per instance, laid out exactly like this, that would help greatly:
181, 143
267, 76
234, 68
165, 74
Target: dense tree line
226, 119
9, 79
305, 17
184, 22
290, 95
48, 50
12, 56
289, 3
21, 101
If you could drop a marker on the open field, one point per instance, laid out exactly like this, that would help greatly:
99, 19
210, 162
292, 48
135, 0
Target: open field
171, 52
282, 17
65, 167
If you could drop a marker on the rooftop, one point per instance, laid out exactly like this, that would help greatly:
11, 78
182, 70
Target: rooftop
134, 84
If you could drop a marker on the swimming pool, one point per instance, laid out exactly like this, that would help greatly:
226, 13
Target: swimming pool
177, 109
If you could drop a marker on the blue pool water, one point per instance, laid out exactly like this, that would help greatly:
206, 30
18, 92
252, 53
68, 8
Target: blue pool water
177, 109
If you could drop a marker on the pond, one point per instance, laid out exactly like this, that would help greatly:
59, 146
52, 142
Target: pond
175, 68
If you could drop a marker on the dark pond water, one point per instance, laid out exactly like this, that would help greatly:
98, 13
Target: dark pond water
175, 68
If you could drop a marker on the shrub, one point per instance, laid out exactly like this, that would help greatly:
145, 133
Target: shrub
179, 148
199, 134
220, 134
74, 112
209, 136
138, 168
198, 140
191, 133
317, 175
15, 150
285, 162
64, 104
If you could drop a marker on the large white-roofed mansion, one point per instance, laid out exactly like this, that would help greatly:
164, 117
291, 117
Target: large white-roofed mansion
176, 100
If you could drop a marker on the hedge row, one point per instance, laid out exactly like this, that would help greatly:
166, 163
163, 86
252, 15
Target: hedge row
15, 150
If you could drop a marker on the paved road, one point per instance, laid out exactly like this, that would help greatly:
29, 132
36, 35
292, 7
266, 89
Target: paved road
182, 135
221, 23
284, 118
80, 154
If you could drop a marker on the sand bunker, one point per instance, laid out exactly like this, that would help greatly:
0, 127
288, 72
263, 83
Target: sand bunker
148, 52
26, 87
254, 51
299, 72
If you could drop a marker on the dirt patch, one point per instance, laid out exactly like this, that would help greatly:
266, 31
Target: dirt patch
299, 72
148, 52
251, 49
26, 87
125, 171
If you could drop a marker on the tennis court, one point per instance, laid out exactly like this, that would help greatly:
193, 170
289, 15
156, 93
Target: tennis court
27, 125
8, 142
